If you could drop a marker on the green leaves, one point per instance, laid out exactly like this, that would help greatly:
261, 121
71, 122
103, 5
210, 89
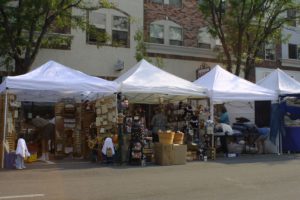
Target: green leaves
27, 25
245, 26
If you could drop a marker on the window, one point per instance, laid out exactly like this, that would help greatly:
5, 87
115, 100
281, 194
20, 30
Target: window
59, 34
158, 1
97, 27
166, 32
269, 51
120, 30
175, 36
177, 3
108, 26
291, 16
157, 33
292, 51
204, 39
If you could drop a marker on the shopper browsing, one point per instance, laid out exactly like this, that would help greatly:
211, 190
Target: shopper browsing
21, 152
158, 122
224, 118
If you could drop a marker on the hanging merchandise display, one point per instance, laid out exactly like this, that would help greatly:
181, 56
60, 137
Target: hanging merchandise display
9, 109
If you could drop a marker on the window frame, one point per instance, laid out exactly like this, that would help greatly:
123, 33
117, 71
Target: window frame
109, 27
266, 45
181, 41
290, 54
119, 30
163, 33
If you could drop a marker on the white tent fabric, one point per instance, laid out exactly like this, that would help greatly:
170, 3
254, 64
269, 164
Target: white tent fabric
145, 83
280, 82
224, 86
53, 81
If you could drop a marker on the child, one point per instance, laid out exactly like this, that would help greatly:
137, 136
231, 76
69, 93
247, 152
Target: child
21, 153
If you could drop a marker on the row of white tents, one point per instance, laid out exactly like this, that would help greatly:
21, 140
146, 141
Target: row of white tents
143, 83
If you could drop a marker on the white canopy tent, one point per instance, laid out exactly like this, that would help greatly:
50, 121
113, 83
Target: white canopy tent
224, 86
53, 81
145, 83
280, 82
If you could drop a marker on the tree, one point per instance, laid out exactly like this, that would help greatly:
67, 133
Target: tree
26, 23
244, 26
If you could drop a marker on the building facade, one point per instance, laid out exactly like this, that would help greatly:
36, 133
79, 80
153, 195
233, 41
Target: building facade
111, 58
174, 30
286, 55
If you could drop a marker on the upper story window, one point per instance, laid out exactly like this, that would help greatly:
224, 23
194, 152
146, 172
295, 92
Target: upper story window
120, 30
166, 32
108, 22
206, 41
176, 3
157, 33
291, 16
175, 37
269, 51
294, 51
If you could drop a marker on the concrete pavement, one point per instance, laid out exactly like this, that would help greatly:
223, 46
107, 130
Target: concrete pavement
251, 177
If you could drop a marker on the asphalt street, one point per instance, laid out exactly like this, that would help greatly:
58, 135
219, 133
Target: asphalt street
252, 177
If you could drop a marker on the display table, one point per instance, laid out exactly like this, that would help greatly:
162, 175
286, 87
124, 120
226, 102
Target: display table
291, 141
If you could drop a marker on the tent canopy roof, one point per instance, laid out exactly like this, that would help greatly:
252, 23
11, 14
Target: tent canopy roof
53, 81
225, 86
280, 82
145, 83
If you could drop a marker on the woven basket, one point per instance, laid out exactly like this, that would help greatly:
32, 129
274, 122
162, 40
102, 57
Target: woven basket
178, 138
166, 137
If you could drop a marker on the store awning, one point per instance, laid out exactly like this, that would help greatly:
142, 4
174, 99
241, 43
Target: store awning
53, 81
280, 82
224, 86
146, 83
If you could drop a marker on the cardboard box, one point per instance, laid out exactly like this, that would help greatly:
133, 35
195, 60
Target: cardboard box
170, 154
163, 154
179, 152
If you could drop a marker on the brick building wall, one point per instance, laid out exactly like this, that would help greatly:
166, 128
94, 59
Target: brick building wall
187, 16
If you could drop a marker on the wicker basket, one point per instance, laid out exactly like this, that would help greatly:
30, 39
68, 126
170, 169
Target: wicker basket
178, 138
166, 137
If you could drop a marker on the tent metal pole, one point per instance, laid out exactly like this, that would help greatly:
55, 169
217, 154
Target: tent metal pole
4, 129
211, 105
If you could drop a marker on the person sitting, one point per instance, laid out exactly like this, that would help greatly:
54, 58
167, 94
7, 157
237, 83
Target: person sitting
108, 150
260, 141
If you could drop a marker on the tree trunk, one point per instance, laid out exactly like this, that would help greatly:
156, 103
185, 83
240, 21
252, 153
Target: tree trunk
21, 67
249, 69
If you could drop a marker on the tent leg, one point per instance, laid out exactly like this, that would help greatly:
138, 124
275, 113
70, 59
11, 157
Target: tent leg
211, 105
4, 129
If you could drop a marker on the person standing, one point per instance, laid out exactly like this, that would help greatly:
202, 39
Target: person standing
159, 123
224, 118
21, 153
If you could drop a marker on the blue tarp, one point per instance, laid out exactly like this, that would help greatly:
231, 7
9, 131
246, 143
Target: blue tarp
277, 121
